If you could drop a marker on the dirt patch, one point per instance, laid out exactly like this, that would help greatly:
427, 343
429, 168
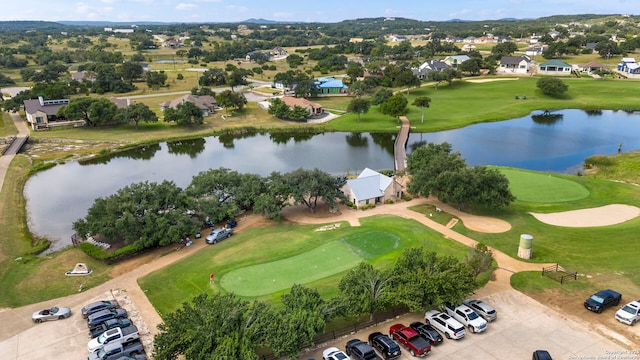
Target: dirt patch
600, 216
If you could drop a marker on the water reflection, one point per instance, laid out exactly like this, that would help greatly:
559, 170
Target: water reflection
191, 147
546, 118
357, 140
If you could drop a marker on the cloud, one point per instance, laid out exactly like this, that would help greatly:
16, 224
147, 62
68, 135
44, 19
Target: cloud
236, 8
186, 6
89, 12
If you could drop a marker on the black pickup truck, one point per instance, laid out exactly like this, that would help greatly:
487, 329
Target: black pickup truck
602, 300
117, 350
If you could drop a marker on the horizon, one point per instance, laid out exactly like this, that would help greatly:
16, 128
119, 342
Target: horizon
329, 11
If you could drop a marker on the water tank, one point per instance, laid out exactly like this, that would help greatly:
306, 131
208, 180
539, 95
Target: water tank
525, 249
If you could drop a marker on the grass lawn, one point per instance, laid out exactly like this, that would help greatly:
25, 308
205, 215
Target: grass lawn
543, 188
289, 254
7, 127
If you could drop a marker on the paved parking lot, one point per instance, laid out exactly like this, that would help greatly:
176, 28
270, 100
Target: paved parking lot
523, 326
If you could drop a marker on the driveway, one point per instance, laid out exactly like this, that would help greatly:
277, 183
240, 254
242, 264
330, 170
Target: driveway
523, 325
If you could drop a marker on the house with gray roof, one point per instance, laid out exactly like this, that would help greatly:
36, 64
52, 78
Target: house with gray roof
455, 60
206, 103
554, 67
371, 187
428, 66
514, 65
41, 112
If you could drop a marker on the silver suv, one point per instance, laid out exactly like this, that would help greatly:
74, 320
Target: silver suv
219, 235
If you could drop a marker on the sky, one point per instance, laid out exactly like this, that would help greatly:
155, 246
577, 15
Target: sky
201, 11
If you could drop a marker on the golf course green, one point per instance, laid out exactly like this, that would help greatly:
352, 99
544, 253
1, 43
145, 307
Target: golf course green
543, 188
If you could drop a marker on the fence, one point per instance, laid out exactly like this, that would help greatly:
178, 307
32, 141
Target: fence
338, 333
559, 273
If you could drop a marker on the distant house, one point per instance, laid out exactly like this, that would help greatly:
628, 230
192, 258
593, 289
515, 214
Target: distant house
554, 67
633, 68
468, 47
456, 60
428, 66
206, 103
40, 112
172, 43
624, 64
279, 51
252, 54
314, 109
535, 50
398, 38
371, 187
591, 66
514, 65
330, 86
81, 76
121, 103
356, 40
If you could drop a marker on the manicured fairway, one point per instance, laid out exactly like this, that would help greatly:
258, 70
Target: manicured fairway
543, 188
267, 278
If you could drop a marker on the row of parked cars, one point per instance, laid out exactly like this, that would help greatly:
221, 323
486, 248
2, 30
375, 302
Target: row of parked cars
112, 334
418, 337
628, 314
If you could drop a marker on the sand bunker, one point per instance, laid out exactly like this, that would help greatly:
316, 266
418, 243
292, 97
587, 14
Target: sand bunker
600, 216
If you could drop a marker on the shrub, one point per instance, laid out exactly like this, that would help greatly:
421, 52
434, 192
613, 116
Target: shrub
389, 201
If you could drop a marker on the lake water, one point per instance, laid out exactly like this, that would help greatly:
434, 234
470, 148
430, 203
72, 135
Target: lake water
558, 142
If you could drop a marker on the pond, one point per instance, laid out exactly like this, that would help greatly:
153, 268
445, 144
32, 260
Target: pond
557, 142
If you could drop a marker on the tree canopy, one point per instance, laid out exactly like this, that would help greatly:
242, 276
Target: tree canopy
552, 86
359, 106
186, 113
95, 111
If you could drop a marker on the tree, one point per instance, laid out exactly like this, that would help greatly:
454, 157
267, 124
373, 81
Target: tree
136, 113
381, 96
359, 88
504, 49
130, 71
479, 259
136, 212
186, 113
271, 202
306, 88
309, 186
231, 99
298, 113
477, 185
425, 163
359, 106
422, 102
156, 79
6, 81
238, 77
294, 60
364, 290
94, 111
422, 280
471, 66
395, 106
279, 109
213, 77
355, 70
218, 326
297, 323
552, 86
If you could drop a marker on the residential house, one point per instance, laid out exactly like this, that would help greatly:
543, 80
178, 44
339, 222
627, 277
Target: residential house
398, 38
84, 75
591, 66
206, 103
279, 51
172, 43
535, 50
633, 68
623, 66
356, 40
40, 112
428, 66
514, 64
314, 109
121, 103
371, 187
456, 60
252, 54
468, 47
331, 86
554, 67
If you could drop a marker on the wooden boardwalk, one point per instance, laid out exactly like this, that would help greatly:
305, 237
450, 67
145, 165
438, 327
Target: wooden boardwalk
400, 146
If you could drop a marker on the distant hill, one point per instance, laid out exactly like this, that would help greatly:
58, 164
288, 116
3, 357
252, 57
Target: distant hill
29, 25
111, 23
265, 21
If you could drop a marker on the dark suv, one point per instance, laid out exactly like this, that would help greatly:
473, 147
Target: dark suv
360, 350
97, 306
385, 345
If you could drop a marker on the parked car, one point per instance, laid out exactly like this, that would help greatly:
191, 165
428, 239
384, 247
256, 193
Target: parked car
444, 323
218, 235
333, 353
231, 223
97, 306
104, 315
388, 348
428, 332
630, 313
360, 350
410, 339
55, 313
482, 308
541, 355
133, 357
116, 335
467, 317
117, 350
97, 330
602, 300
